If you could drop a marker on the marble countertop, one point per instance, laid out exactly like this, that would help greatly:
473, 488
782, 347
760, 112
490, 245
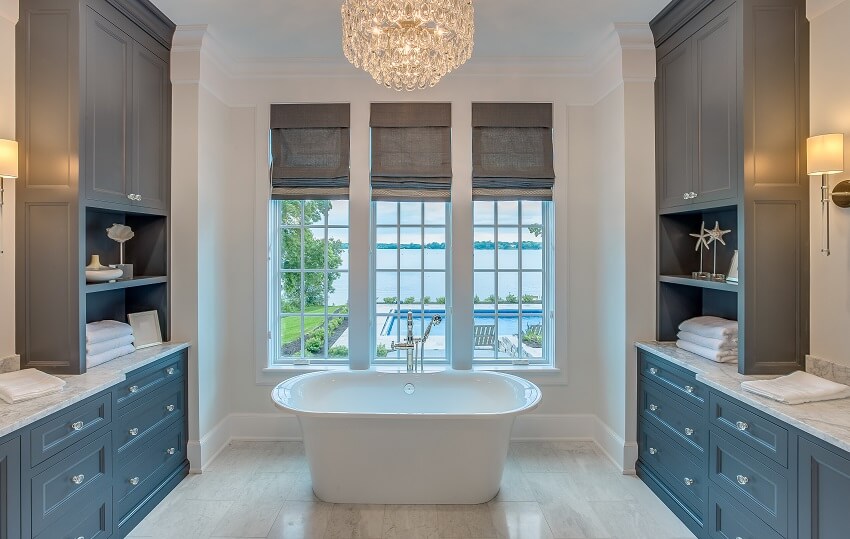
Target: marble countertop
80, 387
828, 421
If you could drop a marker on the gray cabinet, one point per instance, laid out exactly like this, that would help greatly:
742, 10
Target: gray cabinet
151, 125
10, 489
674, 126
824, 489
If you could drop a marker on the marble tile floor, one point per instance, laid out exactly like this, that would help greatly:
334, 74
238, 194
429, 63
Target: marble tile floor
550, 490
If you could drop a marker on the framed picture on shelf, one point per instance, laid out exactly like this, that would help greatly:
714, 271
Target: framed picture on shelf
146, 330
732, 276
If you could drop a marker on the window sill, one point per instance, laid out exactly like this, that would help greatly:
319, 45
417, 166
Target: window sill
304, 369
518, 369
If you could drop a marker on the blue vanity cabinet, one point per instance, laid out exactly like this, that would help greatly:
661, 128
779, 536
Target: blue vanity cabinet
824, 491
10, 489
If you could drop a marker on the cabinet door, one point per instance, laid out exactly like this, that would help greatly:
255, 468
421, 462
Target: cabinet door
824, 484
151, 127
107, 90
10, 489
716, 159
674, 91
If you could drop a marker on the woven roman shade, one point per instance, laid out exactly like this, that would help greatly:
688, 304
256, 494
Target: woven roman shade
512, 151
310, 151
411, 151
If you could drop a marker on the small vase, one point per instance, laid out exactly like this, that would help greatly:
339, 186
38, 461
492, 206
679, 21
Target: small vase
95, 263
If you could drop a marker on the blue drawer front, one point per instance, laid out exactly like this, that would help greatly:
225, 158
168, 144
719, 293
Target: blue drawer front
674, 465
145, 381
674, 417
753, 429
759, 487
146, 420
728, 520
681, 382
69, 484
51, 437
93, 522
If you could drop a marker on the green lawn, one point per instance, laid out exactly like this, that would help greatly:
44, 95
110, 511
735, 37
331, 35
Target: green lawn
290, 328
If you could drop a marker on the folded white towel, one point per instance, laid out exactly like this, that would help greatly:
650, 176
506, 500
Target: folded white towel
719, 356
106, 330
711, 327
93, 349
729, 343
28, 384
797, 388
109, 355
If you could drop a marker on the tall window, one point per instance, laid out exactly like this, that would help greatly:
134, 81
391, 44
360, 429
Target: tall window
411, 261
512, 281
310, 246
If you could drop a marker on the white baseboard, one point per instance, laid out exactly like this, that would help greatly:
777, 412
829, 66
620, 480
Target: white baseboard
532, 427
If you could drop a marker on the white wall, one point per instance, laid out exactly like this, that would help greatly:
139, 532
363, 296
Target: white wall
8, 19
830, 113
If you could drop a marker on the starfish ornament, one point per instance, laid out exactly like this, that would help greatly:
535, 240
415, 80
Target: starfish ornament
703, 238
716, 234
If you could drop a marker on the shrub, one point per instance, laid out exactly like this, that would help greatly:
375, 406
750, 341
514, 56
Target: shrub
441, 300
390, 301
477, 299
511, 298
409, 299
529, 298
314, 343
489, 299
382, 351
338, 351
426, 299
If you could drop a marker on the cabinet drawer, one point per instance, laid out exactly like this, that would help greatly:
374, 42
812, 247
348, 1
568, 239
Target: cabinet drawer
93, 522
53, 436
144, 421
674, 417
728, 520
748, 478
155, 461
70, 483
751, 428
675, 466
146, 381
680, 381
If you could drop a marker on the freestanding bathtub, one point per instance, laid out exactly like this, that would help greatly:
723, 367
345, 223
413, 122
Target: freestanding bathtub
396, 438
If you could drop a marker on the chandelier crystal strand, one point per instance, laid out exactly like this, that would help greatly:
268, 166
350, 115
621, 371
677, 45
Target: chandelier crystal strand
407, 44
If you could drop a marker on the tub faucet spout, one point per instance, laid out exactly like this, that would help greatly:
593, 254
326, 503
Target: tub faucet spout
409, 345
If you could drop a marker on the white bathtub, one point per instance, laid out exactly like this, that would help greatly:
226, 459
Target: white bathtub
370, 440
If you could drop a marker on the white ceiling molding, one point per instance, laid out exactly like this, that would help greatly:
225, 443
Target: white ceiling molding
816, 8
9, 10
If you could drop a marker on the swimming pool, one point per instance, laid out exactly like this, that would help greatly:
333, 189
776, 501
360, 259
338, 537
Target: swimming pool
508, 321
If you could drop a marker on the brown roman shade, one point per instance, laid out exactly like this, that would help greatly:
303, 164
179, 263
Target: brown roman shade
310, 151
512, 151
411, 151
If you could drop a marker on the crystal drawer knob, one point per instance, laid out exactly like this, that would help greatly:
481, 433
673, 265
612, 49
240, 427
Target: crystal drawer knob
689, 431
742, 479
688, 481
653, 451
169, 371
134, 389
742, 426
170, 407
653, 370
689, 389
134, 481
134, 431
171, 450
653, 407
77, 425
78, 479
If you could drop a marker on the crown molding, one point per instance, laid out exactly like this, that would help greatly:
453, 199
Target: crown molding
9, 10
816, 8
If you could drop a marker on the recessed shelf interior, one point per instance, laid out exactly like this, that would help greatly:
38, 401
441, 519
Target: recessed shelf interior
117, 304
677, 303
147, 251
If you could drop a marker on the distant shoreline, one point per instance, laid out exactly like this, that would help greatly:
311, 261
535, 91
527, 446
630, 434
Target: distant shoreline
478, 246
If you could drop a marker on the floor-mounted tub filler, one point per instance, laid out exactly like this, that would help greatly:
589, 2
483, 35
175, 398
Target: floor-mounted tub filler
396, 438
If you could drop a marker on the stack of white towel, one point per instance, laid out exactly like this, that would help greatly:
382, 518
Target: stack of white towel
28, 384
107, 340
797, 388
710, 337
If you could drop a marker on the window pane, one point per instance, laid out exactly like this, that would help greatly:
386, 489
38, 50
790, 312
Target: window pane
290, 248
411, 290
338, 337
532, 287
386, 213
483, 212
435, 289
410, 248
435, 213
314, 211
290, 297
386, 248
314, 248
508, 289
484, 255
290, 213
338, 248
338, 292
314, 336
532, 212
484, 287
338, 213
411, 213
508, 212
435, 252
532, 248
386, 290
508, 247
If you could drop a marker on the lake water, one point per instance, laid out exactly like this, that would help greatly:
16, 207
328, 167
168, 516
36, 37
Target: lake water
508, 321
389, 285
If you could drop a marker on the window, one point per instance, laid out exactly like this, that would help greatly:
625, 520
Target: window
411, 257
512, 282
310, 268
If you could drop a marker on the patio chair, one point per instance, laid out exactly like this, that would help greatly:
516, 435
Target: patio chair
484, 337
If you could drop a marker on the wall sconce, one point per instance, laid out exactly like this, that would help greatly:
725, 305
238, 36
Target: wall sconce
825, 157
8, 169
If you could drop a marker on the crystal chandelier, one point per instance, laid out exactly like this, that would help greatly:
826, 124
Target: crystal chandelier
407, 44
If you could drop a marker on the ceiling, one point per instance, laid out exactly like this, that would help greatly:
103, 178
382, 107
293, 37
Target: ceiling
285, 29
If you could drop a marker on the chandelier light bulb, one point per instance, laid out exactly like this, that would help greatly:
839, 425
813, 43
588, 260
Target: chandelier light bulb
407, 44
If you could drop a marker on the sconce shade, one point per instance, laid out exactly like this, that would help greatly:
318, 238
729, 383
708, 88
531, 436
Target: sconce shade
825, 154
8, 158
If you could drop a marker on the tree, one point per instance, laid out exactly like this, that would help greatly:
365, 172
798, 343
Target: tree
313, 290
